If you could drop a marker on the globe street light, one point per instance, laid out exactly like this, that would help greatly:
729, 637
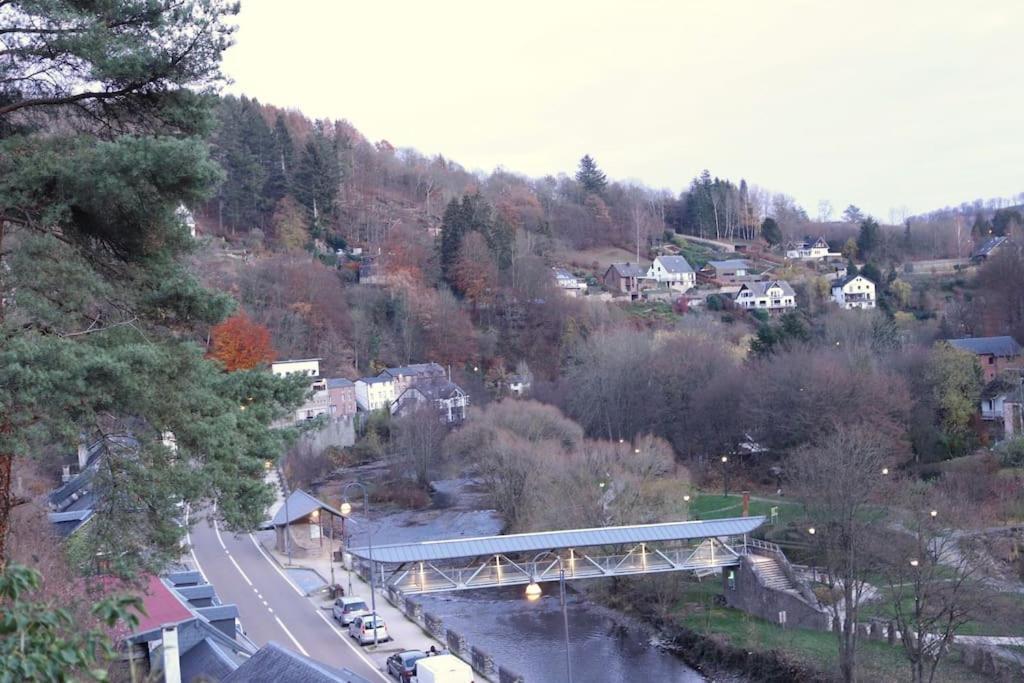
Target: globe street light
346, 509
533, 592
725, 475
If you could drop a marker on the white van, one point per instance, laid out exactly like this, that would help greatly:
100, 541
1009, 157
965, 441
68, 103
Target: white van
443, 669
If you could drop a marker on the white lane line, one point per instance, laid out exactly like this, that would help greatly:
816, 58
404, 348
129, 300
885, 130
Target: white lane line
219, 539
348, 641
215, 528
289, 634
192, 548
274, 565
270, 609
240, 570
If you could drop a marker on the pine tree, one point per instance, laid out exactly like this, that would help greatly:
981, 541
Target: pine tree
771, 232
282, 164
590, 176
870, 238
101, 141
317, 180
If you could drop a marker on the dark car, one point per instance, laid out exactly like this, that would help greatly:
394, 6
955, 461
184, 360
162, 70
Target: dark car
403, 665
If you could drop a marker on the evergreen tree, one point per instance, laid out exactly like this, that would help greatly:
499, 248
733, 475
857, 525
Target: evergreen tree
317, 180
473, 213
870, 238
853, 214
101, 141
590, 176
282, 164
771, 232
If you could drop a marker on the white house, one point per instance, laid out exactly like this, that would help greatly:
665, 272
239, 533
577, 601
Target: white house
771, 296
673, 270
569, 283
375, 393
807, 249
448, 397
307, 366
318, 401
854, 292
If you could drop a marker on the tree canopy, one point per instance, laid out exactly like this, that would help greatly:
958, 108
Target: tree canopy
590, 176
103, 110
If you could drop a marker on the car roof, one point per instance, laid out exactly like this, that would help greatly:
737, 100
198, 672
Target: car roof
351, 599
412, 653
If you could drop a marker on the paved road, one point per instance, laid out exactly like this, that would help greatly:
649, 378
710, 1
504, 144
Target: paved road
270, 607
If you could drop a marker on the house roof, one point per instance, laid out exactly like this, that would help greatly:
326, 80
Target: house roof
675, 264
627, 270
161, 605
563, 274
375, 380
1004, 346
298, 505
761, 288
546, 540
339, 383
730, 264
434, 390
988, 246
205, 661
413, 370
274, 663
848, 279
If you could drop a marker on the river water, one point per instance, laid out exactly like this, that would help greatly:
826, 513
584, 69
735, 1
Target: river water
528, 637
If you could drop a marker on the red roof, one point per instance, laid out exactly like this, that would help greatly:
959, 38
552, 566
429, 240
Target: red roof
161, 605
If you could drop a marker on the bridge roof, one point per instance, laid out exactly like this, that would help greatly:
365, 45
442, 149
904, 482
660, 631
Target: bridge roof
450, 549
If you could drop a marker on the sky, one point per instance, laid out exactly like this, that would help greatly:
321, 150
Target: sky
884, 105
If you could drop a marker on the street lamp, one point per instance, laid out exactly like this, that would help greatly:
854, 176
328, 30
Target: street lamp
637, 451
811, 531
934, 513
346, 509
725, 475
885, 470
533, 592
914, 563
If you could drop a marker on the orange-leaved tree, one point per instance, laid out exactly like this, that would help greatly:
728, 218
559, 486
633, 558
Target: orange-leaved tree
241, 344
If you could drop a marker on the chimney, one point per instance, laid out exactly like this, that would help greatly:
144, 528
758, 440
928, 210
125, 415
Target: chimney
83, 455
172, 665
746, 503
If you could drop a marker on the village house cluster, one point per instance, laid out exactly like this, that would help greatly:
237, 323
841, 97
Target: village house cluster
397, 390
670, 277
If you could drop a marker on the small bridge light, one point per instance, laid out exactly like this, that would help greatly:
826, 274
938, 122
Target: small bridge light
533, 591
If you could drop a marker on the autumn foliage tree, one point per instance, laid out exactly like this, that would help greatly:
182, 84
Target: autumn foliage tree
241, 344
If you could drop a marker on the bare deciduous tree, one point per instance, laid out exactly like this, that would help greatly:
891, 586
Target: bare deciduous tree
839, 478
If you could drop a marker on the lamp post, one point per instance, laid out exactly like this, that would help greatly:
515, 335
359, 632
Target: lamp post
725, 475
533, 592
346, 509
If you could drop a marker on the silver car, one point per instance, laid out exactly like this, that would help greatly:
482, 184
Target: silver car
364, 627
347, 609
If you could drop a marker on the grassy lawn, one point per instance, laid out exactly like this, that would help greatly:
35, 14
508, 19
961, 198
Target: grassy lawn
712, 506
696, 254
1003, 617
654, 311
877, 660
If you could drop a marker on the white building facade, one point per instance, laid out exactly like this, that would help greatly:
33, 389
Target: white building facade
854, 292
309, 367
808, 249
675, 271
772, 296
569, 283
375, 393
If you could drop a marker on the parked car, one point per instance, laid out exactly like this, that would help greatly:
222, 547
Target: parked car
363, 627
403, 664
347, 609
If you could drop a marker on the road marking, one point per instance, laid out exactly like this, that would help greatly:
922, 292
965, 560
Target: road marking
191, 548
219, 539
289, 634
270, 609
348, 641
240, 570
274, 565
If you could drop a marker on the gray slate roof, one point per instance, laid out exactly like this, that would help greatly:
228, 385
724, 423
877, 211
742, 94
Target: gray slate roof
205, 661
996, 346
414, 370
548, 540
730, 264
435, 389
759, 288
988, 247
274, 663
848, 279
675, 264
627, 270
339, 383
299, 504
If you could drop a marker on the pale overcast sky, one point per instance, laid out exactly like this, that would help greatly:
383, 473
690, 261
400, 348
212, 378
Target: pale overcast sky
881, 104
